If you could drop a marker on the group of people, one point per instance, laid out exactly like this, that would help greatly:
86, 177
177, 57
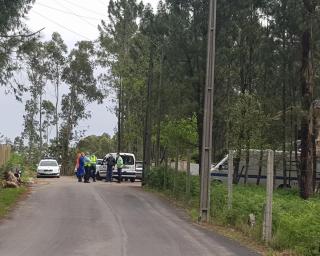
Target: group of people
111, 163
86, 167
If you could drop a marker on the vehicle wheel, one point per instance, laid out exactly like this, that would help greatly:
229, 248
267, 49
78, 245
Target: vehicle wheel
58, 176
282, 186
126, 179
38, 176
98, 177
132, 179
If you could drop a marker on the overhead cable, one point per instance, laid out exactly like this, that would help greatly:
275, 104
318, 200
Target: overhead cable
84, 8
56, 23
67, 12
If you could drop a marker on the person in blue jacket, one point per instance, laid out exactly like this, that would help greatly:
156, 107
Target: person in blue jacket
80, 170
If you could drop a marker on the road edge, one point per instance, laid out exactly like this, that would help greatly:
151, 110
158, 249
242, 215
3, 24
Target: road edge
224, 231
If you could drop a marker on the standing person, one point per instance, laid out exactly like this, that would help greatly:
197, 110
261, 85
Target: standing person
77, 161
93, 163
110, 165
119, 167
87, 168
80, 169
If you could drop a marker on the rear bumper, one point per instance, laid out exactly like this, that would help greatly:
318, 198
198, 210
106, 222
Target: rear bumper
125, 174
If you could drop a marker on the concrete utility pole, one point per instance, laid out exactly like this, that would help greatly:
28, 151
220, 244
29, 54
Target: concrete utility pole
267, 224
207, 117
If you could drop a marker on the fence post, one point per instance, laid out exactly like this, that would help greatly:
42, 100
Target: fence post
230, 178
267, 228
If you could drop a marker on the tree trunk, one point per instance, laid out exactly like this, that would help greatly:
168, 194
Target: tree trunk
237, 166
119, 116
307, 86
147, 132
188, 185
157, 153
56, 110
316, 139
40, 121
247, 160
260, 166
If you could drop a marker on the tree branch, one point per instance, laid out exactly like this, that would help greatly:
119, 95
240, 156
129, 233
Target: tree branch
23, 35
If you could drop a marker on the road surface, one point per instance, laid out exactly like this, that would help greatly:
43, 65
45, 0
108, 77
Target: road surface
62, 217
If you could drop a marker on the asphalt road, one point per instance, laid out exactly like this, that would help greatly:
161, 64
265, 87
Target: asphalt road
62, 217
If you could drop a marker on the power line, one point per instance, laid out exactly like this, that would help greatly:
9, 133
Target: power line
60, 10
79, 17
76, 33
85, 8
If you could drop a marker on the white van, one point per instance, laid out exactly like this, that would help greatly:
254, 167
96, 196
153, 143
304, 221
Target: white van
219, 172
128, 170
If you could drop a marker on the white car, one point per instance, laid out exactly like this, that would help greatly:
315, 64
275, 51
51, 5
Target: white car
48, 168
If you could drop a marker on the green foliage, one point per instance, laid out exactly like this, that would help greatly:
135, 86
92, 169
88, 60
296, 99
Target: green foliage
180, 133
11, 27
8, 197
98, 145
173, 183
11, 12
19, 161
247, 117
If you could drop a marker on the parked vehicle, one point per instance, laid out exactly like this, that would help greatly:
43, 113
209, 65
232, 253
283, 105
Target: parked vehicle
48, 168
128, 170
139, 170
101, 169
257, 169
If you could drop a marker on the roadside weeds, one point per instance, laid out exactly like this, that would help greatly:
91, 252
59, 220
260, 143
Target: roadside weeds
226, 231
9, 197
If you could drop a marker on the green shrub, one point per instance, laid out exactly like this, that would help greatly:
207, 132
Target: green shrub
17, 161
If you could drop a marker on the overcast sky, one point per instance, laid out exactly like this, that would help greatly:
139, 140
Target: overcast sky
75, 20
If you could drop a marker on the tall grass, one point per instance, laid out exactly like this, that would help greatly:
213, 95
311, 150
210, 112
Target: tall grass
8, 197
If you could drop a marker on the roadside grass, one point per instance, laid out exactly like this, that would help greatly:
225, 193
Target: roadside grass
296, 222
8, 198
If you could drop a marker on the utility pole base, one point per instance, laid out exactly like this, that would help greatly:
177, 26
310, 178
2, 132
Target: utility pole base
204, 217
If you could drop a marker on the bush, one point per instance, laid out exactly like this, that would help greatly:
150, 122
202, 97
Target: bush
17, 161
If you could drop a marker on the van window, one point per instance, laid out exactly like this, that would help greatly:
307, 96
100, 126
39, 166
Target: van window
127, 160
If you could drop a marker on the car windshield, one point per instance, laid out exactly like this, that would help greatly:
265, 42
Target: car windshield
48, 163
99, 162
128, 160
